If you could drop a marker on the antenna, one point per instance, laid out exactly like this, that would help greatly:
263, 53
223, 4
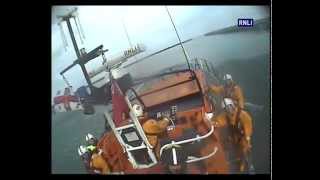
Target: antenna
125, 30
63, 36
184, 51
127, 35
80, 35
78, 20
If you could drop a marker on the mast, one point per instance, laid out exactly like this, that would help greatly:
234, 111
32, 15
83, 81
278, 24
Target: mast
75, 46
184, 51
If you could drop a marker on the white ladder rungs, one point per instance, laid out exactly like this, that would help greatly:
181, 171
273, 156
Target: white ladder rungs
125, 127
136, 148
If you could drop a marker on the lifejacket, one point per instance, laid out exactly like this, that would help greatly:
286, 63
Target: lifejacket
98, 164
91, 148
228, 91
153, 129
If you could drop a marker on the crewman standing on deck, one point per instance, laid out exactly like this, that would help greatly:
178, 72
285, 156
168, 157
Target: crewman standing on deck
239, 124
229, 90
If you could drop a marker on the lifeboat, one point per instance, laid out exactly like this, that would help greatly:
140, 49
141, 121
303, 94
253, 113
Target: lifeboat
179, 96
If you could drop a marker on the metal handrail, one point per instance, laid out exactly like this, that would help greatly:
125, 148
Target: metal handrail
204, 157
187, 141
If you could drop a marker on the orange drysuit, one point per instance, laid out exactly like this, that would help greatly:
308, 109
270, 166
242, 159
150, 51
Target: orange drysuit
240, 124
234, 92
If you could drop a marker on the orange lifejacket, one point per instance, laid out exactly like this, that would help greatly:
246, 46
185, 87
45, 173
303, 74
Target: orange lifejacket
234, 92
99, 163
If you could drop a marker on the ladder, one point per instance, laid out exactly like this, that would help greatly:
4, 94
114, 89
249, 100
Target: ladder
133, 139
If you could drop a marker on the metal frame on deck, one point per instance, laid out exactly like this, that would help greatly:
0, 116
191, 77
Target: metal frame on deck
189, 141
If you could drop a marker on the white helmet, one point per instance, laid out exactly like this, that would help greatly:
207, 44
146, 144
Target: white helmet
89, 136
91, 140
226, 102
137, 110
82, 150
227, 77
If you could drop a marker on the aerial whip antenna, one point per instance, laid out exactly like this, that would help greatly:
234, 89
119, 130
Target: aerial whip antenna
78, 25
125, 30
127, 35
80, 35
184, 51
81, 30
63, 36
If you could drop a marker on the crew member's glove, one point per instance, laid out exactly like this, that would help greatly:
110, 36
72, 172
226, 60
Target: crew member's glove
215, 123
249, 142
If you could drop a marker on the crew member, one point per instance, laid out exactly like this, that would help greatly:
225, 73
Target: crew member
153, 129
239, 125
92, 157
229, 90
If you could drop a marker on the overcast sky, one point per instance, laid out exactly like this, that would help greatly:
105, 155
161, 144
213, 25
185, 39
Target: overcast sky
149, 25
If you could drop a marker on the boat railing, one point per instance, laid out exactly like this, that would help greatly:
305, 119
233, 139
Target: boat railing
198, 138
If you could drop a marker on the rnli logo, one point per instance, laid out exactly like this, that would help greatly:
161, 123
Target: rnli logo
245, 22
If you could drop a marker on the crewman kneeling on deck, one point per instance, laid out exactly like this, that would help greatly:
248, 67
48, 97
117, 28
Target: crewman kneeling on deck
239, 124
229, 90
98, 163
92, 157
153, 129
